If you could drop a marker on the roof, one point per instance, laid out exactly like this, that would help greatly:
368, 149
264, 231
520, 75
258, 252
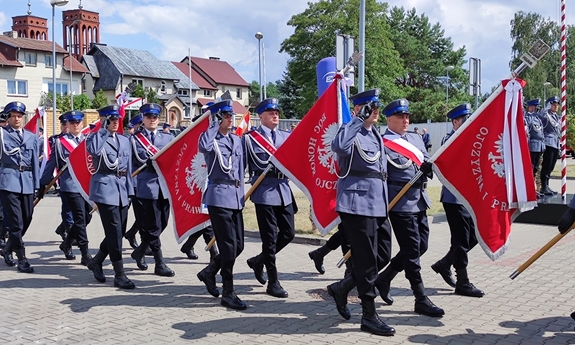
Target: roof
196, 77
4, 61
237, 106
220, 71
76, 65
91, 63
30, 44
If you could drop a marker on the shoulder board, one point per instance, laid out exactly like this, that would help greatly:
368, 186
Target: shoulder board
24, 129
285, 130
233, 133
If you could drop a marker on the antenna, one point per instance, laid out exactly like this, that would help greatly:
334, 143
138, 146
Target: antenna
29, 7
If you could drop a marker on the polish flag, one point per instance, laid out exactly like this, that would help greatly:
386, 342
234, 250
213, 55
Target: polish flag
243, 127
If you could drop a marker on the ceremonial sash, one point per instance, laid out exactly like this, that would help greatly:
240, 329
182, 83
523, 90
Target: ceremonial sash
395, 143
68, 143
150, 149
263, 143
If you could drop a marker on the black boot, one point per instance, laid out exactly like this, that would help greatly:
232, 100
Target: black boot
86, 257
161, 269
213, 252
95, 265
120, 279
2, 235
274, 287
131, 236
229, 297
545, 187
383, 283
445, 272
370, 321
339, 292
257, 265
208, 276
422, 303
6, 253
23, 265
66, 248
463, 287
348, 268
139, 255
61, 230
190, 253
317, 257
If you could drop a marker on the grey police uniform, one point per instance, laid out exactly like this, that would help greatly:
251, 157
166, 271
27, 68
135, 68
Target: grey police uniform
535, 135
551, 123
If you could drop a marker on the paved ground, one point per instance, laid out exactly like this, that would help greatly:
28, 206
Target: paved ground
62, 303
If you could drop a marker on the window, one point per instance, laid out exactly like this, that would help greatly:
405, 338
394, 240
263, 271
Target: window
187, 110
182, 92
48, 60
61, 88
138, 81
30, 59
239, 93
207, 93
17, 87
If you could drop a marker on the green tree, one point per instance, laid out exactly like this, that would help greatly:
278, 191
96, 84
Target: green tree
139, 92
289, 96
100, 100
81, 102
152, 96
254, 94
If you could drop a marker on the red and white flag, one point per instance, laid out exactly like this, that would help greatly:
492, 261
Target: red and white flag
123, 101
485, 166
307, 159
35, 121
243, 127
183, 176
82, 167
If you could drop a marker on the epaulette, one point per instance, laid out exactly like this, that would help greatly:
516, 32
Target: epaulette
284, 130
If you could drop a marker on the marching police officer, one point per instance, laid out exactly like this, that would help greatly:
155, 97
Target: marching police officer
65, 213
135, 123
551, 122
224, 197
155, 207
110, 188
408, 217
19, 168
461, 225
362, 206
272, 197
61, 148
3, 230
534, 129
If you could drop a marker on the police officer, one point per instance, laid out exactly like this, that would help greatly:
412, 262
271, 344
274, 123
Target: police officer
224, 197
551, 123
362, 206
461, 225
135, 123
19, 168
110, 188
408, 217
534, 130
155, 207
65, 213
69, 191
3, 229
272, 197
166, 128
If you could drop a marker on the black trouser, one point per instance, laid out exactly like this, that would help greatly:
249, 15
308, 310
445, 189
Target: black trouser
362, 232
137, 209
153, 221
549, 159
535, 157
228, 227
17, 209
80, 210
66, 213
3, 229
208, 234
114, 221
338, 239
277, 229
412, 233
463, 237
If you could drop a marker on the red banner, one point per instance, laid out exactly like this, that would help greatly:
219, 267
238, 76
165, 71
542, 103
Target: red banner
82, 167
485, 165
183, 177
306, 157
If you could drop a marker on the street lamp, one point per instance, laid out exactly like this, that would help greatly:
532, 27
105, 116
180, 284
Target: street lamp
259, 36
545, 84
54, 3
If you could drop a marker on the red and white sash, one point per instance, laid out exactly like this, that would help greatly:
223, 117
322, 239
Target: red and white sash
150, 148
262, 142
395, 143
69, 144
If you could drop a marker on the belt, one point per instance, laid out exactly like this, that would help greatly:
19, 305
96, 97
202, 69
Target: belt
417, 184
22, 168
273, 174
381, 175
226, 181
121, 173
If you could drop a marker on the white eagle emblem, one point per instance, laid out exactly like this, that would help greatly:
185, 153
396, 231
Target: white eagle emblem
197, 174
325, 154
497, 160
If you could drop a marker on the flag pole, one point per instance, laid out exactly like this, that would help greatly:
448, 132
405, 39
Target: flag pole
52, 182
563, 104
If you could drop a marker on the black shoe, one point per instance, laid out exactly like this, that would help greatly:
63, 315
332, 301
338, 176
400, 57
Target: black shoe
140, 259
258, 270
85, 259
61, 230
120, 279
573, 315
232, 301
547, 191
8, 258
163, 270
276, 290
445, 273
425, 307
317, 260
190, 254
468, 289
340, 300
2, 243
210, 281
67, 251
24, 266
383, 284
96, 268
374, 325
132, 241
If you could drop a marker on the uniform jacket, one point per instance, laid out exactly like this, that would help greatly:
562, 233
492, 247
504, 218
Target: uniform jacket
220, 193
107, 185
551, 128
57, 161
147, 182
415, 199
426, 140
534, 129
360, 195
271, 191
15, 154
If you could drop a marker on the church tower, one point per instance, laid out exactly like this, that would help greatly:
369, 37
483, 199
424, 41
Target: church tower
81, 29
30, 26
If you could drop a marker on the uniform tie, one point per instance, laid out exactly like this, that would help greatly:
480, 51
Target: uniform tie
77, 140
152, 137
274, 136
19, 132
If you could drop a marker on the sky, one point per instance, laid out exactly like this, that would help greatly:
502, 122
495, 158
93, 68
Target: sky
226, 28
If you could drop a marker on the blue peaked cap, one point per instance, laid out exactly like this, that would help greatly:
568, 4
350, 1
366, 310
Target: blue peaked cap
110, 111
136, 120
534, 102
461, 110
399, 106
62, 119
73, 115
15, 106
268, 104
553, 99
166, 125
222, 106
366, 96
151, 109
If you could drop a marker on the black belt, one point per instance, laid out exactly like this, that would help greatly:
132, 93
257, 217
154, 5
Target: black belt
226, 181
417, 184
121, 173
22, 168
273, 174
381, 175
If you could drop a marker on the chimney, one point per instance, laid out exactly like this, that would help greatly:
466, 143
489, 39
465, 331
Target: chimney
214, 58
13, 34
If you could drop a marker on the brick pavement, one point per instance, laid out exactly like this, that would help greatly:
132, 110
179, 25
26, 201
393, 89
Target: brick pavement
62, 303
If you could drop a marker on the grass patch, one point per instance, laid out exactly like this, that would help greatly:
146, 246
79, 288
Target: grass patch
557, 171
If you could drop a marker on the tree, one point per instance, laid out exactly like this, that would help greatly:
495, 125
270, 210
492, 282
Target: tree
81, 102
100, 100
254, 94
289, 96
152, 96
